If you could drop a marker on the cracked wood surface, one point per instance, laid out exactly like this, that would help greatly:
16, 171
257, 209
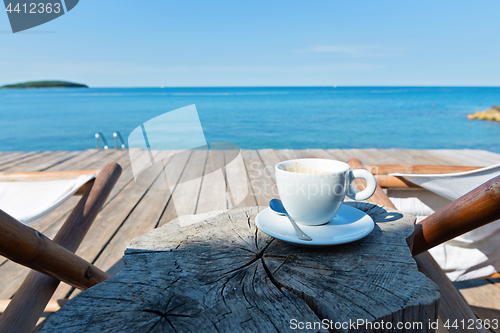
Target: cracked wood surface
224, 275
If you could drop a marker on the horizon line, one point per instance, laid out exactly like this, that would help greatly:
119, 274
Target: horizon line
297, 86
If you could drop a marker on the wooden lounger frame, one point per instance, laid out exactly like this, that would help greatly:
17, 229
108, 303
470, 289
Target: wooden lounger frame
471, 211
48, 175
54, 261
382, 171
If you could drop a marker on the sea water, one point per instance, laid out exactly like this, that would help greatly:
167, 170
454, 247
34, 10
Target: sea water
254, 118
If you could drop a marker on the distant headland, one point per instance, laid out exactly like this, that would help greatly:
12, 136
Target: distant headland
492, 114
44, 84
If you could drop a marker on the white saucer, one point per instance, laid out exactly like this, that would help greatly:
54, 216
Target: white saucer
348, 225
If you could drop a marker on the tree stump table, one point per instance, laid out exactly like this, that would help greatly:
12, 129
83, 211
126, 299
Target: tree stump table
224, 275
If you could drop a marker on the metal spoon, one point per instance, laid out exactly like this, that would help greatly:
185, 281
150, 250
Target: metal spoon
277, 206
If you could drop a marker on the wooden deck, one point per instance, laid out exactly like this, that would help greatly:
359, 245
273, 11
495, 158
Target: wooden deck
131, 210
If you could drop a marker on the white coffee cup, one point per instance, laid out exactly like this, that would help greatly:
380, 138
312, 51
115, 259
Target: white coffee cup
315, 198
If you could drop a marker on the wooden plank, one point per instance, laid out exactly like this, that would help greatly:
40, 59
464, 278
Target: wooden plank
444, 158
302, 153
381, 156
44, 161
12, 165
438, 158
389, 157
340, 154
374, 156
213, 184
412, 156
368, 156
40, 162
320, 153
8, 157
65, 156
346, 154
262, 185
190, 184
483, 297
479, 156
454, 157
470, 156
78, 162
490, 154
286, 154
480, 292
401, 159
174, 173
234, 173
270, 159
448, 158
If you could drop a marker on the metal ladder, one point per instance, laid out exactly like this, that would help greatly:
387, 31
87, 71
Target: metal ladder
116, 135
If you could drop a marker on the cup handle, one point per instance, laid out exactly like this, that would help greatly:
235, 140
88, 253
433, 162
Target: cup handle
371, 184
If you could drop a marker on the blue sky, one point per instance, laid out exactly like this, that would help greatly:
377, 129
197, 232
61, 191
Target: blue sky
260, 43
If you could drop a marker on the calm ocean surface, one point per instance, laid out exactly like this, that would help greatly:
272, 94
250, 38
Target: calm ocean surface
323, 117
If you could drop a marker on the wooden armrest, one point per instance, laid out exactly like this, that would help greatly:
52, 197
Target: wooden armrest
30, 248
473, 210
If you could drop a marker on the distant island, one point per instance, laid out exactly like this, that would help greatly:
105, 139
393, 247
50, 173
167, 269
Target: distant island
44, 84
